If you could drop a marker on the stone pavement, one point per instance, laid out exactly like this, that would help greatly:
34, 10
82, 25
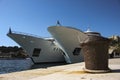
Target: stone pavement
77, 73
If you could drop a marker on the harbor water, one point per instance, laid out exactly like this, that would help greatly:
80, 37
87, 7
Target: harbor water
13, 65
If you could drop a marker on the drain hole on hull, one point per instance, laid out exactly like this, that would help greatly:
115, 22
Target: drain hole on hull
76, 51
36, 52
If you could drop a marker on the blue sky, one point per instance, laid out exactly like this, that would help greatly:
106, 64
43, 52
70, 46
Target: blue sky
35, 16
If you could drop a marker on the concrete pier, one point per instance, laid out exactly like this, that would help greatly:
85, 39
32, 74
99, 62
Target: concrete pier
66, 72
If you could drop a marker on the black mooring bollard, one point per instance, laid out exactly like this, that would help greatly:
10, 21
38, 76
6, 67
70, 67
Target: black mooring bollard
95, 51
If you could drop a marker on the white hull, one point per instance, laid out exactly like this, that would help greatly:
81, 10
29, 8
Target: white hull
69, 39
46, 51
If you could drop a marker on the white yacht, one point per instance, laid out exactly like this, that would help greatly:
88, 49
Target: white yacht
39, 49
69, 40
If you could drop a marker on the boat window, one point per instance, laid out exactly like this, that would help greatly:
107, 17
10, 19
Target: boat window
77, 51
61, 52
56, 49
36, 52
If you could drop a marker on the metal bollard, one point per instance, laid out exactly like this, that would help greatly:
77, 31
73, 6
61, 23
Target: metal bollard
95, 51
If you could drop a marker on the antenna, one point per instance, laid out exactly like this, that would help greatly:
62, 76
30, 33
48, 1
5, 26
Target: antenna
58, 23
10, 31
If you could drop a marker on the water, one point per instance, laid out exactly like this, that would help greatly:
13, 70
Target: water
13, 65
